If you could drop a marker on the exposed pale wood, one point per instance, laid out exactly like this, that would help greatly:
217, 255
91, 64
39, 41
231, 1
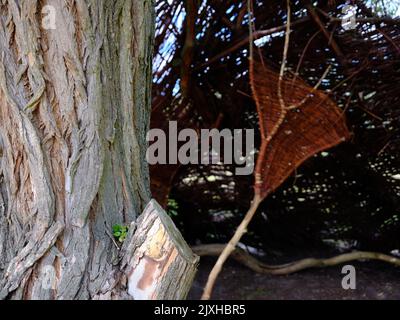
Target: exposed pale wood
157, 261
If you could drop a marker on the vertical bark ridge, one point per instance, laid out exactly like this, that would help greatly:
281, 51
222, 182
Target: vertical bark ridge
74, 112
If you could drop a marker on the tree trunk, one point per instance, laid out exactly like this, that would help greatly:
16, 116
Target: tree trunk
74, 112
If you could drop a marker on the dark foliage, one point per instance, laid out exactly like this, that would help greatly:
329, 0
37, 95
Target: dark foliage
348, 195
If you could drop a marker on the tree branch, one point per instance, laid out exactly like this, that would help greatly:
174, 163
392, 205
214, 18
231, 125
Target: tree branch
254, 264
155, 255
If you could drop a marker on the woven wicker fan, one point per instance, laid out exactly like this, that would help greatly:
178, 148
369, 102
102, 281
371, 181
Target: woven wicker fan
296, 121
306, 122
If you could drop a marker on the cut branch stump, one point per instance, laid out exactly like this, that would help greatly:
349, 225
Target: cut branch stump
157, 261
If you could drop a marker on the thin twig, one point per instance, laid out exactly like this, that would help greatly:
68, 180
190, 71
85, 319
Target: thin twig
241, 43
112, 239
335, 47
315, 88
229, 248
384, 147
296, 74
284, 58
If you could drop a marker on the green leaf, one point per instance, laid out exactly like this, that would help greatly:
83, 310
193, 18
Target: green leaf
120, 232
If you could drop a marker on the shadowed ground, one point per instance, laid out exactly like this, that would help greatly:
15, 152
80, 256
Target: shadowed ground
375, 280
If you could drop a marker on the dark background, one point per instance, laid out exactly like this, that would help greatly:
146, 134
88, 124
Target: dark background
342, 199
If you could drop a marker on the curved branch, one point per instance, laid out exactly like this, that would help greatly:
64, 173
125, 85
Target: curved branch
254, 264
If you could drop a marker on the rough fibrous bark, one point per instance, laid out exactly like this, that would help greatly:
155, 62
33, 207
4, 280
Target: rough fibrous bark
74, 112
